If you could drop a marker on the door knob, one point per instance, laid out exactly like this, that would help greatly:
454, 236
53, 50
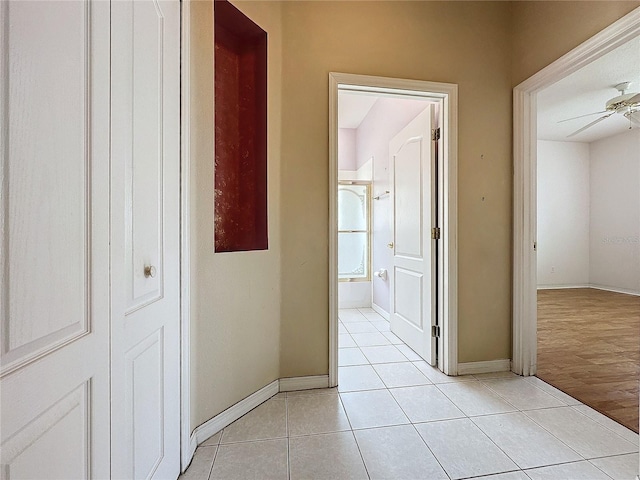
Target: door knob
149, 271
390, 244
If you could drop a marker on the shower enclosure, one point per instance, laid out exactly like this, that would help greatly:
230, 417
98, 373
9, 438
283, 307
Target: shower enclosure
354, 231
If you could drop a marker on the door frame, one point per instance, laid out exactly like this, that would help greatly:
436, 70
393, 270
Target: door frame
188, 442
448, 93
524, 189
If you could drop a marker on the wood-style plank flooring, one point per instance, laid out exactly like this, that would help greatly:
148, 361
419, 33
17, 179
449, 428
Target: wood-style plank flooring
589, 347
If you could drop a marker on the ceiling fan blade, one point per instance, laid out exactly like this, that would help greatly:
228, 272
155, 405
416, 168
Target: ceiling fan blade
590, 124
634, 99
581, 116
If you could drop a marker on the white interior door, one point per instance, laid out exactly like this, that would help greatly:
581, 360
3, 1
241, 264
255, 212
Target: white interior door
54, 242
412, 282
145, 178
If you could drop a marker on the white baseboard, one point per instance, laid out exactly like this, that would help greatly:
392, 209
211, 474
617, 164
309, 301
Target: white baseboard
347, 304
231, 414
615, 290
560, 287
491, 366
379, 310
626, 291
304, 383
188, 456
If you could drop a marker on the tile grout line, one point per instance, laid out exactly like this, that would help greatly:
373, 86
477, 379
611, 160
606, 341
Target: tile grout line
567, 463
364, 464
429, 448
502, 450
601, 424
482, 431
535, 386
523, 412
286, 419
553, 391
418, 433
405, 414
353, 431
596, 466
215, 455
346, 414
495, 474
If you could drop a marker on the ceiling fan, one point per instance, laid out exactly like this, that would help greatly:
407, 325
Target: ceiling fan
627, 104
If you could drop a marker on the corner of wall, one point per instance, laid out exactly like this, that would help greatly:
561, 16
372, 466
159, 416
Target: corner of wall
236, 302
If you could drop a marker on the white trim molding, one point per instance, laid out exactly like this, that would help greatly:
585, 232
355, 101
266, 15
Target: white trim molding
595, 286
234, 412
333, 231
447, 93
562, 287
192, 447
524, 187
292, 384
380, 311
491, 366
606, 288
187, 444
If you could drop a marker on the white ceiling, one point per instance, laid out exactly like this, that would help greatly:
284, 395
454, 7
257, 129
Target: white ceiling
587, 91
353, 107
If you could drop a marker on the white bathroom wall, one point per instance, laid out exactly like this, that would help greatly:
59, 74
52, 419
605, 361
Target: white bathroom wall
347, 168
615, 213
563, 214
365, 171
354, 295
347, 149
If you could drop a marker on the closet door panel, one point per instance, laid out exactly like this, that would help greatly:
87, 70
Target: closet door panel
54, 272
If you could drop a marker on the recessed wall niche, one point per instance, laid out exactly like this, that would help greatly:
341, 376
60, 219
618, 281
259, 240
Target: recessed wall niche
240, 174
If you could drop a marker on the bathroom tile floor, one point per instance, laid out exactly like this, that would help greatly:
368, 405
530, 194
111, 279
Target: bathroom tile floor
395, 417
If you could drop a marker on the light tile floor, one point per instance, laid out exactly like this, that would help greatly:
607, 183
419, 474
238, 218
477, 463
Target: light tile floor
395, 417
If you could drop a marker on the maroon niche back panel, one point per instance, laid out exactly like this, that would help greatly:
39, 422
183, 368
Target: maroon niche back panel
240, 197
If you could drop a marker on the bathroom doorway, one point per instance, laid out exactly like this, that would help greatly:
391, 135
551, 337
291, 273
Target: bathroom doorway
391, 204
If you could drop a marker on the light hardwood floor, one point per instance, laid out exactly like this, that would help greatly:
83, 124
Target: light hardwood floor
589, 347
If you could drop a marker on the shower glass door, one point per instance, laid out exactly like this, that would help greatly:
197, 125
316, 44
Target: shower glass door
354, 231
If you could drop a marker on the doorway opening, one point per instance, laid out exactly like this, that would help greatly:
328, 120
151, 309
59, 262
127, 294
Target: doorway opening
393, 242
582, 278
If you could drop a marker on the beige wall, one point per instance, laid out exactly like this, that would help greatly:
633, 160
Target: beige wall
235, 297
467, 43
544, 31
263, 315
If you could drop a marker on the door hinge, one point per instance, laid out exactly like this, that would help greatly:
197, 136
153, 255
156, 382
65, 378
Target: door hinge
435, 134
435, 331
435, 233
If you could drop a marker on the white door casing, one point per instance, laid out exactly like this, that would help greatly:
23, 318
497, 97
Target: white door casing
54, 384
524, 344
447, 95
413, 280
145, 239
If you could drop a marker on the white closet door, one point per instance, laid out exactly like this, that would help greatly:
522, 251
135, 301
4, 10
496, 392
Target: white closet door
54, 272
145, 209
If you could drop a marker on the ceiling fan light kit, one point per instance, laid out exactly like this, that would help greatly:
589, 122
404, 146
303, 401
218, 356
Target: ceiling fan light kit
623, 100
626, 104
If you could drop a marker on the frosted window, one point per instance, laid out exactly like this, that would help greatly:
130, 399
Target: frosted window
353, 232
